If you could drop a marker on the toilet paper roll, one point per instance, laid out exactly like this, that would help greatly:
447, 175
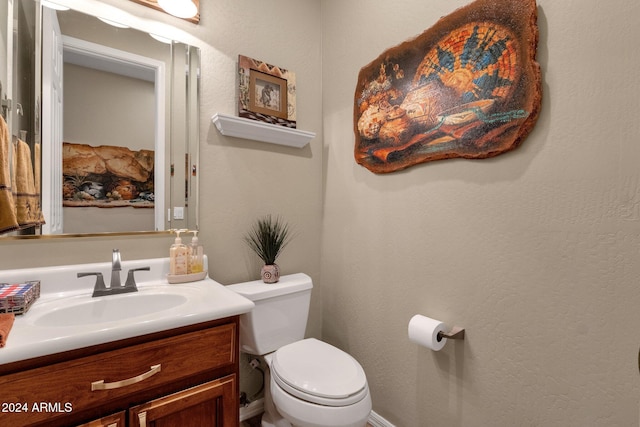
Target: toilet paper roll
424, 331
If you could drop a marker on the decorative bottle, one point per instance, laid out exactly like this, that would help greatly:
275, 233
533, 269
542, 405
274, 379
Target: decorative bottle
196, 255
179, 256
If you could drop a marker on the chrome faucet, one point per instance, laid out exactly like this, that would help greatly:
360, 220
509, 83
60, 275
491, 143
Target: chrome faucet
116, 285
115, 269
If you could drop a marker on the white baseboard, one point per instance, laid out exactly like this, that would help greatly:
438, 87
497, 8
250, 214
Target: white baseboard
377, 421
257, 407
254, 408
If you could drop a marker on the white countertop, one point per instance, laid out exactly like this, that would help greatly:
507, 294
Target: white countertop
206, 300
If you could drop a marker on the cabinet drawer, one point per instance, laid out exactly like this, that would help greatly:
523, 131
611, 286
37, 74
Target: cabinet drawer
88, 382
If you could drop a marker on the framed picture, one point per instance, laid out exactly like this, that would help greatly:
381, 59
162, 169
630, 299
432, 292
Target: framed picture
266, 92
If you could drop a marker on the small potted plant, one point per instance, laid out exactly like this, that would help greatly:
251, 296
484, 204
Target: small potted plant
267, 239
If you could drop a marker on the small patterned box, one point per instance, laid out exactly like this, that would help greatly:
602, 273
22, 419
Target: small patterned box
18, 298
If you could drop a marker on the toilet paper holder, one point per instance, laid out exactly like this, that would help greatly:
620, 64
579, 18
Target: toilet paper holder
456, 333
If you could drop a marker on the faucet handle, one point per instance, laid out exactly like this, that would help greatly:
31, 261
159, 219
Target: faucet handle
131, 282
99, 281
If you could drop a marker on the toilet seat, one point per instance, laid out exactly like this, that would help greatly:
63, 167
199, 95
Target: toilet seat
319, 373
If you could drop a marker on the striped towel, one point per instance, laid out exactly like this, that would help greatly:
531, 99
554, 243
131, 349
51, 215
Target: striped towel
25, 195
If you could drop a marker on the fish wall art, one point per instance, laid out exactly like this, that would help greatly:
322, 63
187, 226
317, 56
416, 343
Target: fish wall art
467, 87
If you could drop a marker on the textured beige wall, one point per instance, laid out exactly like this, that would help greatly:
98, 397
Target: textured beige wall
535, 252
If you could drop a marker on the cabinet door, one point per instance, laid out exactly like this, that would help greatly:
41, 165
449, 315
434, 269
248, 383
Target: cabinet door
115, 420
211, 404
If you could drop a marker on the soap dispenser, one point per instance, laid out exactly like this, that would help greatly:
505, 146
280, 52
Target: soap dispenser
196, 255
179, 256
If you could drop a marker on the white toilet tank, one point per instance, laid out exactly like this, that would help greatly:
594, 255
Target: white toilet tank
280, 313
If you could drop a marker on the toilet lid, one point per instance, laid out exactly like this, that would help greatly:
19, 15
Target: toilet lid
318, 372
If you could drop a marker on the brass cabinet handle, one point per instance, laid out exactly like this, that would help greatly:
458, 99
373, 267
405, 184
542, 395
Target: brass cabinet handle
142, 419
101, 385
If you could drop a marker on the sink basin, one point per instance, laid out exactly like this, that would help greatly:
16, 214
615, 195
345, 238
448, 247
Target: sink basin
85, 310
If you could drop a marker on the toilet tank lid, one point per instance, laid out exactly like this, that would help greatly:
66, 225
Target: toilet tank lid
258, 290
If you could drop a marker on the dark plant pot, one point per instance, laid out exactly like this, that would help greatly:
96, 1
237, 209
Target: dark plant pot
270, 273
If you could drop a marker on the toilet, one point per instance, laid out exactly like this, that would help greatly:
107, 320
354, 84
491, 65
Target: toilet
308, 383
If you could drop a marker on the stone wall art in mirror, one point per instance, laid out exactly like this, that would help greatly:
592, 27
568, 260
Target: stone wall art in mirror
468, 87
107, 176
266, 92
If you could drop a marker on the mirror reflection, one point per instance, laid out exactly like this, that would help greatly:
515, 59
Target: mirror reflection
119, 150
19, 136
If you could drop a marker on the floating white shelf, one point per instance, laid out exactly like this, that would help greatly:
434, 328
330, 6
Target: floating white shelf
261, 131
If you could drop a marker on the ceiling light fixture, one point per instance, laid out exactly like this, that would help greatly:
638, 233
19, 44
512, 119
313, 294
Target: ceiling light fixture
161, 39
179, 8
113, 23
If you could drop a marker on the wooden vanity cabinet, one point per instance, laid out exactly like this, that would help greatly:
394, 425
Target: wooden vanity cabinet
182, 377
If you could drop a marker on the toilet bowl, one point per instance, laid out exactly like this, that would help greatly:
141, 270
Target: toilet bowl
309, 383
314, 384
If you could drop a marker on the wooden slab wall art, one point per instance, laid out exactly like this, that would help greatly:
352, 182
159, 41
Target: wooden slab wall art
468, 87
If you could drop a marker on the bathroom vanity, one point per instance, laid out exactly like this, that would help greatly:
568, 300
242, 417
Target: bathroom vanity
187, 373
176, 365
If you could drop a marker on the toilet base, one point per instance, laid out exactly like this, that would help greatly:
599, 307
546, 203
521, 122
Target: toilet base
267, 421
271, 416
335, 416
304, 414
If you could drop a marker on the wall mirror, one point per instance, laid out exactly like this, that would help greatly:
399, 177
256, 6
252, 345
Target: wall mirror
112, 112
